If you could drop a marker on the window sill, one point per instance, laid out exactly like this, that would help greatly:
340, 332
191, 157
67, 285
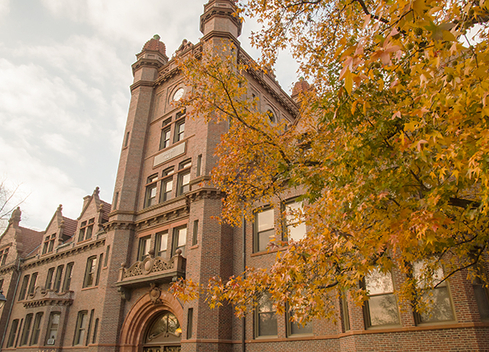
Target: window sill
268, 337
195, 246
257, 254
382, 327
435, 323
89, 288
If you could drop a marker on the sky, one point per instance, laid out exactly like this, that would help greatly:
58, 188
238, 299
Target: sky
65, 72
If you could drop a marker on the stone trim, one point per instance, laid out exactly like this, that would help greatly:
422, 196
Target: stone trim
42, 259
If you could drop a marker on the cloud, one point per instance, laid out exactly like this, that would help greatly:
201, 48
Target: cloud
132, 20
45, 186
4, 8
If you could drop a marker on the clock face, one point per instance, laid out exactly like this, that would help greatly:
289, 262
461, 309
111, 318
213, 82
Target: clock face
178, 94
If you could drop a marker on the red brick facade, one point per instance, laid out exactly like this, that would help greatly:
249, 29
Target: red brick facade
101, 281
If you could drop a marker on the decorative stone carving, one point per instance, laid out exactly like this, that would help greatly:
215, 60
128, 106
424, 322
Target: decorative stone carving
154, 293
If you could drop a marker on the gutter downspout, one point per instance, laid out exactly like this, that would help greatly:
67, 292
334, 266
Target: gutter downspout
11, 303
243, 333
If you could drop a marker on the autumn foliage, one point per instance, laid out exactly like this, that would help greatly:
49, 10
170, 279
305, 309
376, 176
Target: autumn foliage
391, 149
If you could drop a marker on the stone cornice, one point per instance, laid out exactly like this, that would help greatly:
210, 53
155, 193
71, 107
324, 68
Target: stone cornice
205, 193
43, 259
49, 298
221, 34
7, 268
165, 74
259, 76
152, 63
179, 212
225, 12
119, 225
141, 83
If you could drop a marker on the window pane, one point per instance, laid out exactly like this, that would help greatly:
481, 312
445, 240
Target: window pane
440, 307
297, 232
383, 310
296, 328
182, 236
264, 239
267, 324
377, 282
163, 241
265, 220
482, 299
186, 179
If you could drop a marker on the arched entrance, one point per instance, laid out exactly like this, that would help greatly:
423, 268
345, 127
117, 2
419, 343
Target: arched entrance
145, 318
164, 334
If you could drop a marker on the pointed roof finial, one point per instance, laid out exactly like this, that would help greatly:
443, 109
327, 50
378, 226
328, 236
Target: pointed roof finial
15, 217
96, 191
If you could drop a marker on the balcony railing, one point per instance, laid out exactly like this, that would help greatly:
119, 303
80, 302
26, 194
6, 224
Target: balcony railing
152, 269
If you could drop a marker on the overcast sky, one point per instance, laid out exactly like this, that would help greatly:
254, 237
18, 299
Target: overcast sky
65, 72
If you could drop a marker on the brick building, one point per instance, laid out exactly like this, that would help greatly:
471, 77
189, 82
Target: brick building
100, 282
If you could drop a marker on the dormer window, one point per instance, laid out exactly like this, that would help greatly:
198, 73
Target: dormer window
86, 230
48, 244
3, 256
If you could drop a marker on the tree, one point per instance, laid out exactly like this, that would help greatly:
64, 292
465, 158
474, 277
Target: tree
7, 204
390, 149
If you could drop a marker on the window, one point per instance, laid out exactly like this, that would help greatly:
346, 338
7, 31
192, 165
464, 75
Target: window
344, 311
90, 271
144, 247
438, 299
167, 185
23, 287
48, 244
178, 94
296, 227
68, 274
95, 328
57, 278
295, 328
49, 279
81, 327
184, 177
90, 322
150, 198
86, 230
264, 229
107, 252
27, 329
161, 244
36, 329
482, 298
3, 256
116, 200
179, 239
271, 116
198, 172
190, 322
179, 127
381, 307
195, 232
126, 141
265, 317
99, 268
32, 284
52, 333
165, 134
13, 332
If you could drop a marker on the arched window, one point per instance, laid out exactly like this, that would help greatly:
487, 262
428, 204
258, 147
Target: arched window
163, 334
271, 116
